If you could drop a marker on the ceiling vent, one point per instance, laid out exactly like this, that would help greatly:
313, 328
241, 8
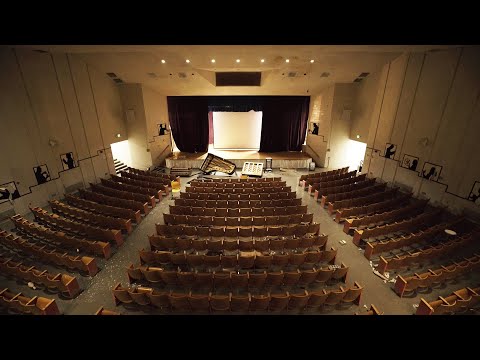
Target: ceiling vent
238, 78
182, 75
118, 81
325, 74
363, 74
112, 75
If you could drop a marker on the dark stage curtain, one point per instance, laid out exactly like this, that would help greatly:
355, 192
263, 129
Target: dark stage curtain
234, 103
188, 117
284, 123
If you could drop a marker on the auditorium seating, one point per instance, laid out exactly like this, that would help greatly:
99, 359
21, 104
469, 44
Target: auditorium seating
66, 284
49, 254
270, 302
372, 311
19, 303
459, 301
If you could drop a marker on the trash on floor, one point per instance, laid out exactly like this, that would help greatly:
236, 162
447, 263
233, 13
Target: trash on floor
380, 275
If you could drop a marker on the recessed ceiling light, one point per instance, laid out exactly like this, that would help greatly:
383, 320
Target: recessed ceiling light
287, 60
163, 61
263, 60
312, 61
118, 135
358, 136
238, 60
187, 61
213, 61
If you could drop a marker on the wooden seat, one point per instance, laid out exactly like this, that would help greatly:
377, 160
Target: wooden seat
353, 294
298, 301
221, 280
256, 280
278, 302
259, 302
220, 303
239, 303
199, 302
180, 302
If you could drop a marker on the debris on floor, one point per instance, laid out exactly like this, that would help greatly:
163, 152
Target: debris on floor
380, 275
415, 306
31, 285
343, 242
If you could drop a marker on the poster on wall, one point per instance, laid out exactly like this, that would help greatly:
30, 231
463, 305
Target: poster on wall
475, 193
42, 174
314, 128
410, 162
8, 192
162, 129
431, 171
390, 150
68, 162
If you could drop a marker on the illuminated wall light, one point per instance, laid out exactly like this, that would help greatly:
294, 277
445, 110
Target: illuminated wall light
287, 61
213, 61
358, 136
263, 60
163, 61
312, 61
118, 135
187, 61
238, 60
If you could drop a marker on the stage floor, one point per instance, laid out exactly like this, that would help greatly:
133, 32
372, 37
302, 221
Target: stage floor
285, 159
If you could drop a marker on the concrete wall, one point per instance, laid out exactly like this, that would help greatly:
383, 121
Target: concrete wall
332, 110
51, 105
156, 112
428, 105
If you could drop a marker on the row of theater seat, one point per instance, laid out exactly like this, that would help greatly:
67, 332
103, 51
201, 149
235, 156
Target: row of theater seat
21, 270
19, 303
237, 221
351, 179
186, 302
370, 209
245, 195
49, 254
215, 200
325, 173
253, 190
243, 260
245, 244
62, 239
348, 191
248, 231
236, 280
423, 219
90, 218
438, 276
377, 194
428, 253
459, 301
162, 186
84, 230
236, 210
237, 185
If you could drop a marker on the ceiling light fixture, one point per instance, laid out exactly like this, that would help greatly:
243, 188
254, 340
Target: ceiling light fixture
263, 60
118, 135
187, 61
312, 61
238, 60
213, 61
358, 136
287, 61
163, 61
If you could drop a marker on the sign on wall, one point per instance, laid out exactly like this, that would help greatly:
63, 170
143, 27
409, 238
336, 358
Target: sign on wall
68, 162
42, 174
314, 128
475, 193
410, 162
162, 129
390, 150
8, 192
431, 171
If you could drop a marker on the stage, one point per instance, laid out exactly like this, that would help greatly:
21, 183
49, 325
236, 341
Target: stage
286, 160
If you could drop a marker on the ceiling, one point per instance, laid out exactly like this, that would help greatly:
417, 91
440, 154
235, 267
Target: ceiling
143, 64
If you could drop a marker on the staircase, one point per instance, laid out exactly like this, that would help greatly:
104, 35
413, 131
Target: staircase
119, 166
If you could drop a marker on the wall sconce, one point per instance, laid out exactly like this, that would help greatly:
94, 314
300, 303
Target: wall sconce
118, 135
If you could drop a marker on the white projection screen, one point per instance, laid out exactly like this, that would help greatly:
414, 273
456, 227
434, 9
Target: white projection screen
237, 130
